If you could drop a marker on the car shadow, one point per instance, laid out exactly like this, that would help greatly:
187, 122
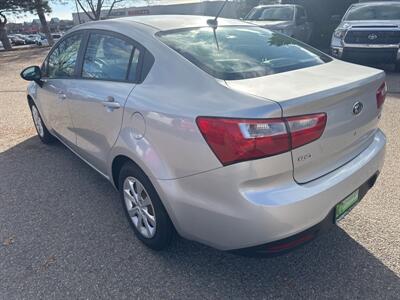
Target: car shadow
54, 205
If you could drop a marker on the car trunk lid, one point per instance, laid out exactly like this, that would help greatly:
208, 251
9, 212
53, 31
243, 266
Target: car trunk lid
335, 88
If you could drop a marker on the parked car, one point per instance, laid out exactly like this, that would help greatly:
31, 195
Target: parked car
369, 33
288, 19
224, 132
27, 39
17, 41
42, 41
56, 36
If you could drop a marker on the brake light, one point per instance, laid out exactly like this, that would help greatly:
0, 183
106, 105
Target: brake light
381, 95
235, 140
306, 129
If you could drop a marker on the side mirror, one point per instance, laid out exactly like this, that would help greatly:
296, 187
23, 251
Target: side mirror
336, 19
33, 73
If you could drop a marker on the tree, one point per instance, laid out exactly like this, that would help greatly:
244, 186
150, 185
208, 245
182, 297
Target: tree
92, 8
6, 6
40, 7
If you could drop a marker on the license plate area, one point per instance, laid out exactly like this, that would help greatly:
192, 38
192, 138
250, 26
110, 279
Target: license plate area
346, 205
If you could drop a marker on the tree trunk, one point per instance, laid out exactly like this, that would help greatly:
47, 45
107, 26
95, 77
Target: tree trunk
3, 33
98, 9
43, 22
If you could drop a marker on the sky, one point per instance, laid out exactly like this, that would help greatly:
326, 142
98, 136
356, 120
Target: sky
58, 10
64, 11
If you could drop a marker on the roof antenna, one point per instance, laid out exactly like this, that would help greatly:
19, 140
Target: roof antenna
214, 22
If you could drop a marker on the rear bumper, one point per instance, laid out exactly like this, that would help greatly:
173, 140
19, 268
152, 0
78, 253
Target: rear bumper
367, 55
248, 204
295, 241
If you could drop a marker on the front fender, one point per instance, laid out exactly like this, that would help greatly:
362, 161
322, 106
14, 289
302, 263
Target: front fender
32, 94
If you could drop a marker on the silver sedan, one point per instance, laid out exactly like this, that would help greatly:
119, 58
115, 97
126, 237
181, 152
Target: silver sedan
219, 131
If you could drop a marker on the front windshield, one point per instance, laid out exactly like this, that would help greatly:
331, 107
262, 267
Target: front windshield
374, 12
271, 14
240, 52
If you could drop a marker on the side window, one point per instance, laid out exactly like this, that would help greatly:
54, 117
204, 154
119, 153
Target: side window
300, 13
106, 57
62, 60
133, 71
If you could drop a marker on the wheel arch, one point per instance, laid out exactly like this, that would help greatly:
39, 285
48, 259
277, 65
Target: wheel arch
117, 164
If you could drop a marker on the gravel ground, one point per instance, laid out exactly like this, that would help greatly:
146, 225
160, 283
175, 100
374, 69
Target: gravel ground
63, 233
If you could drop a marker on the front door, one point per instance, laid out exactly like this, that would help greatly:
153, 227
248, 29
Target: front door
97, 100
59, 70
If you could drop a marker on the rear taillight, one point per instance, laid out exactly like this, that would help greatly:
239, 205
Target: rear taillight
381, 95
305, 129
235, 140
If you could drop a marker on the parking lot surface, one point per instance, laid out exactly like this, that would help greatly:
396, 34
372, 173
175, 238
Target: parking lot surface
63, 233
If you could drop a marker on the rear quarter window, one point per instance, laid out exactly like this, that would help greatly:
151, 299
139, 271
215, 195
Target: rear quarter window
241, 52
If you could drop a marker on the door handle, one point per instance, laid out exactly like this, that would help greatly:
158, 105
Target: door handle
113, 105
110, 103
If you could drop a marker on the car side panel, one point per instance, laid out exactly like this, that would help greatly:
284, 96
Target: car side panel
96, 126
172, 145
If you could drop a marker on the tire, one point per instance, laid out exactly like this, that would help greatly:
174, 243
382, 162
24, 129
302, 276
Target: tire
147, 216
41, 129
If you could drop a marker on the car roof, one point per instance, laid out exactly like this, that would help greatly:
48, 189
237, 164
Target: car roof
154, 23
374, 3
276, 5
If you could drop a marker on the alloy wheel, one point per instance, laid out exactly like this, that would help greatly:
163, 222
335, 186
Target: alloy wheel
140, 207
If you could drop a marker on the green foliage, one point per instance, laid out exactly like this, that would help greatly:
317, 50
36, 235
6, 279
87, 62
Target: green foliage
9, 5
32, 6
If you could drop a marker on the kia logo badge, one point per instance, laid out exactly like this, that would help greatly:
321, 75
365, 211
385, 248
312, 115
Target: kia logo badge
357, 108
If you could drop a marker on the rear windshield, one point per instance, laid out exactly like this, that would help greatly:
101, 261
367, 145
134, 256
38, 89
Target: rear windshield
274, 13
374, 12
241, 52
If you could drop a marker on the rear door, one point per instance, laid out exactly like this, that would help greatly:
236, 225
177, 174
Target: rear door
109, 72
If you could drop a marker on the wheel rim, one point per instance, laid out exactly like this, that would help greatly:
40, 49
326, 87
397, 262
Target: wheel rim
140, 207
38, 121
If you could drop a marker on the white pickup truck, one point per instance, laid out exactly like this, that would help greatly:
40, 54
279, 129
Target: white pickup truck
369, 33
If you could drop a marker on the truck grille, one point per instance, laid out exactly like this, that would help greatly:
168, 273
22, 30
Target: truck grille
373, 37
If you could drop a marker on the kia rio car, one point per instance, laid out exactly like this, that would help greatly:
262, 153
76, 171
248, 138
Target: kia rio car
220, 131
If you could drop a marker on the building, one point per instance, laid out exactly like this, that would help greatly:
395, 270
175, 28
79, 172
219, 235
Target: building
15, 28
206, 8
